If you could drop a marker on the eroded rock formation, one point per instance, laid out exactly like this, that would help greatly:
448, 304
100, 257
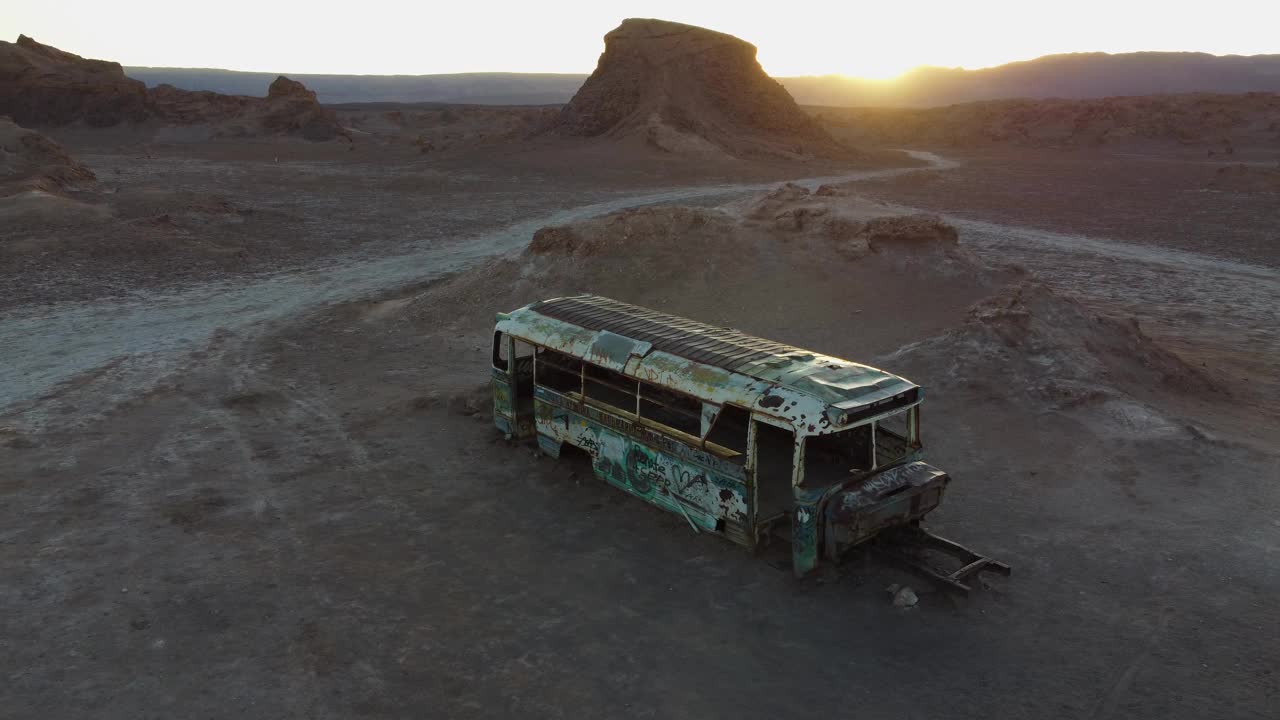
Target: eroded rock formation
31, 161
687, 89
42, 85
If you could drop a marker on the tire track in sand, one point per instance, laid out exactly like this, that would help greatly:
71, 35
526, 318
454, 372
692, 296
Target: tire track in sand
150, 335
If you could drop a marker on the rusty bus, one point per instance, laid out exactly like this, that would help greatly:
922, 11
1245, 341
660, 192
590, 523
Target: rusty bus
743, 437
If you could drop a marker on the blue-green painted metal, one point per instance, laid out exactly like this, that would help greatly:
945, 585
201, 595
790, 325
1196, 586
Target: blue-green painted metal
808, 393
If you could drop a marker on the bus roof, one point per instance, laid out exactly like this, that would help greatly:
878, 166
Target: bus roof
817, 393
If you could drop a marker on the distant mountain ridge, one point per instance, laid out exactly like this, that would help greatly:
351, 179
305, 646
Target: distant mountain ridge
482, 88
1217, 123
1068, 76
1074, 75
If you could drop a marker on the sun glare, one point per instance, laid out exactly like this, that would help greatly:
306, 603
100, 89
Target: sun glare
786, 55
886, 72
860, 40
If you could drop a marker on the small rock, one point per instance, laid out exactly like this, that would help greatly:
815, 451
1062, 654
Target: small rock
425, 402
462, 405
905, 598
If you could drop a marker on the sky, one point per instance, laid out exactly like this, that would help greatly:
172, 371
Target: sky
862, 39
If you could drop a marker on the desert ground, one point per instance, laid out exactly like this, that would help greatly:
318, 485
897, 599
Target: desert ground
248, 466
272, 489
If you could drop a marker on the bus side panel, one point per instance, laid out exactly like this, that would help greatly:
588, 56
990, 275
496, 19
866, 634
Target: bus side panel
714, 500
504, 412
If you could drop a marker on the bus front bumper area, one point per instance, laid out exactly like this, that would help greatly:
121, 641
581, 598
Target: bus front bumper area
894, 497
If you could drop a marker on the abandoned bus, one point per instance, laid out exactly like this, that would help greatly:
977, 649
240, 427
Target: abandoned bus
743, 437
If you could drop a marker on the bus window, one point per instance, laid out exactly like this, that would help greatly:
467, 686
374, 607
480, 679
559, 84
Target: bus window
523, 365
830, 458
896, 424
610, 388
730, 430
558, 371
775, 448
673, 409
893, 437
499, 350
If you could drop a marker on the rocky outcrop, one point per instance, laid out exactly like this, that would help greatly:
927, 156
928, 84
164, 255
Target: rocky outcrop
687, 89
41, 85
292, 109
289, 109
192, 107
31, 161
282, 89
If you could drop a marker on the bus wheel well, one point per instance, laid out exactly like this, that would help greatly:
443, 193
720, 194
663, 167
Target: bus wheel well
576, 457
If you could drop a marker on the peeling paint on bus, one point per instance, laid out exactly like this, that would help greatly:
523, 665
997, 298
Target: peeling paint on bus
715, 487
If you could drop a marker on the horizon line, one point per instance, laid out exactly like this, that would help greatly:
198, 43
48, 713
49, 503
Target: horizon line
848, 76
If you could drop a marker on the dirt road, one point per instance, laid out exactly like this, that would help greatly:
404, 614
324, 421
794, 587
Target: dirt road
135, 341
125, 345
1216, 313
